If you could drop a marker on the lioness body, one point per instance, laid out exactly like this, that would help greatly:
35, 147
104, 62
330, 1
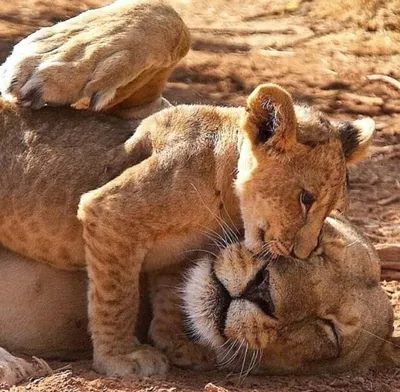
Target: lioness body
43, 309
44, 227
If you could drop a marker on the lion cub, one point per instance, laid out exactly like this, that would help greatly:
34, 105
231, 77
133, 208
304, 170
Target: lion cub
80, 191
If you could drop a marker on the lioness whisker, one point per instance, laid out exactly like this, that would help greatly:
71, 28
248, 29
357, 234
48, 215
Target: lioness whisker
352, 243
227, 352
384, 340
253, 362
253, 356
225, 344
379, 338
233, 357
244, 362
266, 252
258, 361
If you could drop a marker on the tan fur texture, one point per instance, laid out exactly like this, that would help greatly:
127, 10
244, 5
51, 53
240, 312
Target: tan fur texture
80, 190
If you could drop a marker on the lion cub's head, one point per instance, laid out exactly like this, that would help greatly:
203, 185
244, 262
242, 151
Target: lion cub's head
327, 313
292, 170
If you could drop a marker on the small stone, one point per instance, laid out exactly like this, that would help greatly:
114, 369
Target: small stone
358, 380
210, 387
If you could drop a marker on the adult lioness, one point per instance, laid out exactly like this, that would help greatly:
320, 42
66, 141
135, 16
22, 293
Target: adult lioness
325, 314
147, 198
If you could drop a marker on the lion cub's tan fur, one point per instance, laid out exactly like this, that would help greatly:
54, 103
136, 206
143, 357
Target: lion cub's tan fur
80, 190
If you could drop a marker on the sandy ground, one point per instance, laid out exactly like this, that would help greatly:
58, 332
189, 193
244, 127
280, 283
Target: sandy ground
321, 51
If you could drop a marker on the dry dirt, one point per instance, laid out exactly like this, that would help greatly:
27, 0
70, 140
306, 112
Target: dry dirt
320, 50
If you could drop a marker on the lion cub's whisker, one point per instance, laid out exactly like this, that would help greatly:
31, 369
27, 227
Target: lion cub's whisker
224, 226
198, 250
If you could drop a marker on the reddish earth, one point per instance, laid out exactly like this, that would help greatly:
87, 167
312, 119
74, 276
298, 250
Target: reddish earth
322, 51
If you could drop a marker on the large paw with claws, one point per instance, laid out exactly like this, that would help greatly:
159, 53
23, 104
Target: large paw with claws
98, 58
14, 370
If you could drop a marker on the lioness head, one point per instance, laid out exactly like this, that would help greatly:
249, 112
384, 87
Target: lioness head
292, 170
327, 313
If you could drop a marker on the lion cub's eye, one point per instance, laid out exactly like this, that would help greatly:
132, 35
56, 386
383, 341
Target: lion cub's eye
307, 199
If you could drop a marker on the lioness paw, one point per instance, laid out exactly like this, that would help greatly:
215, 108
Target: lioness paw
190, 355
14, 370
100, 56
145, 360
55, 66
168, 335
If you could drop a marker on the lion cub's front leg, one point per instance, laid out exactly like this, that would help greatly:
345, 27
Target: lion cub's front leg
122, 52
167, 330
115, 253
113, 310
122, 222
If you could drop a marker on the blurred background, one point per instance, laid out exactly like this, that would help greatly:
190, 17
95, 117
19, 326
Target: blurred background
342, 56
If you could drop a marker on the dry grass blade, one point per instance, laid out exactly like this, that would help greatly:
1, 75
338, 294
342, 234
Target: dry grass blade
384, 78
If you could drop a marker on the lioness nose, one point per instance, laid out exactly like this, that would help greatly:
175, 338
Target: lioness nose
257, 291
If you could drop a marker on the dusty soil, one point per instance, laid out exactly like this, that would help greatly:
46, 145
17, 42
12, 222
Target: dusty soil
321, 51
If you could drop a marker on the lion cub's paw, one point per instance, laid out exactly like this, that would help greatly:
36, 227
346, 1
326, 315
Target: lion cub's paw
144, 360
190, 355
14, 370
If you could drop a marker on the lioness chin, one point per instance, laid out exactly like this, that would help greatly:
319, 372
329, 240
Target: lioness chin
81, 190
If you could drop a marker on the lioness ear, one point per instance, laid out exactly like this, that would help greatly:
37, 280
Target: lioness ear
356, 137
270, 116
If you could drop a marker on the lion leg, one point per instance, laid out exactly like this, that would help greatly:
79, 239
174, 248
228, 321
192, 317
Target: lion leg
127, 228
167, 330
113, 311
119, 54
116, 243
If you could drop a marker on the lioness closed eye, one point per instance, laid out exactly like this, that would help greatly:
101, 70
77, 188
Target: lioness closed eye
86, 190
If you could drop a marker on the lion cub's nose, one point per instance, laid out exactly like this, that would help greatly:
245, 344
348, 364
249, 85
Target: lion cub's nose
257, 291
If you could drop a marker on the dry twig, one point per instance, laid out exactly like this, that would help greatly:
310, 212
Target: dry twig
384, 78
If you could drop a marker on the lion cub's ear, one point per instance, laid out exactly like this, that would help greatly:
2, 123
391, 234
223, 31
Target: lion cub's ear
270, 116
356, 137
